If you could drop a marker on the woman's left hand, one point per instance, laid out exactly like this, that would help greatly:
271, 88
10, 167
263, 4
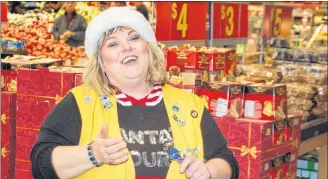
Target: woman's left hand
195, 168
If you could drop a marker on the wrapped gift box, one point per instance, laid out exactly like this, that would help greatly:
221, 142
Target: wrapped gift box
208, 60
38, 92
219, 62
223, 98
183, 57
253, 146
229, 59
8, 80
265, 102
8, 120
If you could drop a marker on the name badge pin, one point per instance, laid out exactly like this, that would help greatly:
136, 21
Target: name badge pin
88, 99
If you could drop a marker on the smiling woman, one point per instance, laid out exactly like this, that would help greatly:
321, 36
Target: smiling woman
125, 122
124, 58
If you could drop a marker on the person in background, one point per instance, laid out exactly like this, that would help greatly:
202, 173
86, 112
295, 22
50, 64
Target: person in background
17, 7
53, 5
140, 7
125, 121
70, 26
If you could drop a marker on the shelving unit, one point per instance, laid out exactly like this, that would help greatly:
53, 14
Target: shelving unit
313, 137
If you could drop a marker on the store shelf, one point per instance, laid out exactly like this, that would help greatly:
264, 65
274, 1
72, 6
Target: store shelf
314, 128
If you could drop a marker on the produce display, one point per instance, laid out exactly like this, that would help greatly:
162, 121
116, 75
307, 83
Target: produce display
38, 42
29, 18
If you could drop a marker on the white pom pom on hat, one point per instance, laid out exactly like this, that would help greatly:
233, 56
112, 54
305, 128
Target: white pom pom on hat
114, 17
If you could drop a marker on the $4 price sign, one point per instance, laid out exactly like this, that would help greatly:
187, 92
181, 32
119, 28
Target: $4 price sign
277, 21
230, 20
181, 20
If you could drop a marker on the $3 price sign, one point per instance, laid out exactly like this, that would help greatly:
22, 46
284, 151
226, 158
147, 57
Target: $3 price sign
181, 20
230, 20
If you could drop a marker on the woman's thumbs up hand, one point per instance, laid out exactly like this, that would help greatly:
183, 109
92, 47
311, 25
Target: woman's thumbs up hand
108, 150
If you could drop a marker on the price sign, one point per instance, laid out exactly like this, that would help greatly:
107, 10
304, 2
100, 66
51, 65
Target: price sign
181, 21
277, 21
230, 20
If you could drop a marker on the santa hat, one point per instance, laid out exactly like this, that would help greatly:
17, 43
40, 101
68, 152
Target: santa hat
114, 17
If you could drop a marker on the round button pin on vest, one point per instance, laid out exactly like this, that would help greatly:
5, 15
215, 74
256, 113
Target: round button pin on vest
194, 114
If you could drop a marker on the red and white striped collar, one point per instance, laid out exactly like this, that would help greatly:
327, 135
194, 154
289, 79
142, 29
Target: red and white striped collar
152, 99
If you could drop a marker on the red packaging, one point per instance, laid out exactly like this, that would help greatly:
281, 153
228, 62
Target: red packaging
25, 138
228, 57
286, 164
293, 164
292, 126
38, 92
204, 60
8, 119
251, 143
78, 79
223, 98
32, 111
210, 62
8, 80
279, 132
276, 165
23, 170
265, 102
185, 59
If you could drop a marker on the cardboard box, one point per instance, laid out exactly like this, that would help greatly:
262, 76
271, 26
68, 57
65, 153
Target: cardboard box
38, 92
265, 102
252, 144
223, 98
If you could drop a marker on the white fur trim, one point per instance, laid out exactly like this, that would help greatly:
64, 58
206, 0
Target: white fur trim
114, 17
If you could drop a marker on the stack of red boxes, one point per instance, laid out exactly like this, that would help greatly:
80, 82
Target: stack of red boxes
263, 149
196, 65
8, 117
38, 91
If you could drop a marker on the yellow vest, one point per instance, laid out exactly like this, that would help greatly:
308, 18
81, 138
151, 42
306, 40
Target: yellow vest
186, 137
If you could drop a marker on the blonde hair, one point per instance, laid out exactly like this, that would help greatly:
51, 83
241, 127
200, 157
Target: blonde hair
95, 77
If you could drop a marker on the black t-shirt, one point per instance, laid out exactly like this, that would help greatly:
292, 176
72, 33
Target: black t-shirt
145, 128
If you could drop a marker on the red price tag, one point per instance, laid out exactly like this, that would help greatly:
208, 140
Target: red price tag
277, 21
230, 20
181, 21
